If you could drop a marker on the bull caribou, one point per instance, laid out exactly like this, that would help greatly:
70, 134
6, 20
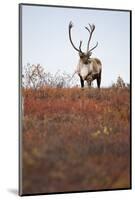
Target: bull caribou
88, 68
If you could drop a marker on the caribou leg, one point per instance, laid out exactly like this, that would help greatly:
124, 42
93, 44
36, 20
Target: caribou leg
99, 80
82, 82
89, 84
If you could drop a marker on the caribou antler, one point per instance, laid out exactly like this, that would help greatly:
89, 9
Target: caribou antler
90, 30
93, 47
70, 27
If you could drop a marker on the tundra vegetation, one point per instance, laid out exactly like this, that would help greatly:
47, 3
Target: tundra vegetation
74, 139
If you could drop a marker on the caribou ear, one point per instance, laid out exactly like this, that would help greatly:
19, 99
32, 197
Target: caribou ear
81, 55
90, 53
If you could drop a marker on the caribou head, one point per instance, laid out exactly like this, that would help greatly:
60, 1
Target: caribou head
88, 68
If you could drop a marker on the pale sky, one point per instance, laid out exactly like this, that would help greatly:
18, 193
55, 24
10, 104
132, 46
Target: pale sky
45, 39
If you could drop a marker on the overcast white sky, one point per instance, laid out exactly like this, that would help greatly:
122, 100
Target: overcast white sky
46, 42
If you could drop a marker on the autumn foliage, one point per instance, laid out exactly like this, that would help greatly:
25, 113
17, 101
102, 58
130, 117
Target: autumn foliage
75, 140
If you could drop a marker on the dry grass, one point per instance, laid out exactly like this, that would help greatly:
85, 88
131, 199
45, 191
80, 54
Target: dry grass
76, 140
